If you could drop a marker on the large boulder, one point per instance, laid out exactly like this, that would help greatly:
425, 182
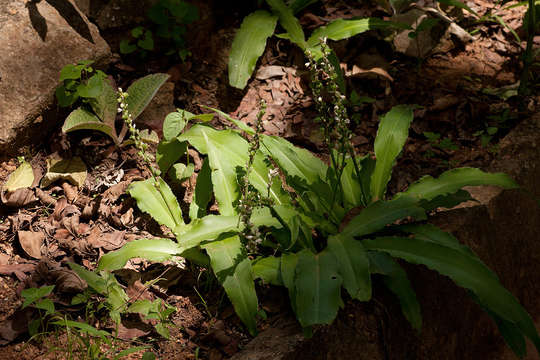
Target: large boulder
37, 39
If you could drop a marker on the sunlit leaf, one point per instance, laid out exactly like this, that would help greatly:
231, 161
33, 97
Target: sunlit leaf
391, 136
248, 45
21, 178
142, 91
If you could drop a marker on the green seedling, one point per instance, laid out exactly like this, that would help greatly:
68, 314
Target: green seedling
99, 112
169, 19
79, 82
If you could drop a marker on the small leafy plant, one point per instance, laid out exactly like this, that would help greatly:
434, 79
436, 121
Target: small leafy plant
79, 81
84, 341
316, 228
170, 18
99, 111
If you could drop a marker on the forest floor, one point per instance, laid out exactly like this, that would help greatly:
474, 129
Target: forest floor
466, 96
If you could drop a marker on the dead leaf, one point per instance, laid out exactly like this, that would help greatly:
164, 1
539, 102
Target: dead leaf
11, 269
31, 242
19, 198
72, 170
128, 330
21, 178
270, 71
357, 72
108, 241
67, 281
70, 192
15, 325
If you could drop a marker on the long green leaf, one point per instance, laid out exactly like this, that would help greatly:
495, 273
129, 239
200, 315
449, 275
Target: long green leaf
381, 213
268, 270
318, 284
160, 203
396, 280
206, 229
288, 269
391, 136
242, 126
142, 91
233, 270
203, 192
451, 181
353, 265
248, 45
352, 192
81, 119
149, 249
226, 151
466, 272
105, 105
168, 152
289, 22
293, 160
299, 5
343, 29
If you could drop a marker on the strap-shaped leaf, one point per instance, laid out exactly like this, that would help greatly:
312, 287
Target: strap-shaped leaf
396, 280
226, 150
160, 204
149, 249
343, 29
142, 91
233, 270
429, 232
105, 105
352, 191
268, 270
241, 125
293, 160
353, 265
289, 22
451, 181
203, 192
447, 201
168, 152
391, 136
248, 45
318, 285
466, 272
299, 5
206, 229
381, 213
81, 119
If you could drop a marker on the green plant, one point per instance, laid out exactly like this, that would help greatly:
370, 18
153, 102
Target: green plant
99, 111
170, 18
436, 142
250, 40
336, 222
83, 339
143, 41
79, 81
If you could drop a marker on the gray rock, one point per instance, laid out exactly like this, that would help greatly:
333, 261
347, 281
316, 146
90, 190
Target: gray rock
37, 40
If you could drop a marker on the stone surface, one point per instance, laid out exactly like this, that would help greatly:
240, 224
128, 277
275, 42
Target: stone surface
503, 229
37, 40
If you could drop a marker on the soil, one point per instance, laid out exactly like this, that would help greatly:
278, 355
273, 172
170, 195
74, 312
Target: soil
460, 93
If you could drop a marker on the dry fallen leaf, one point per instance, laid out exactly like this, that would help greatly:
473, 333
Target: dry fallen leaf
31, 242
23, 177
72, 170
